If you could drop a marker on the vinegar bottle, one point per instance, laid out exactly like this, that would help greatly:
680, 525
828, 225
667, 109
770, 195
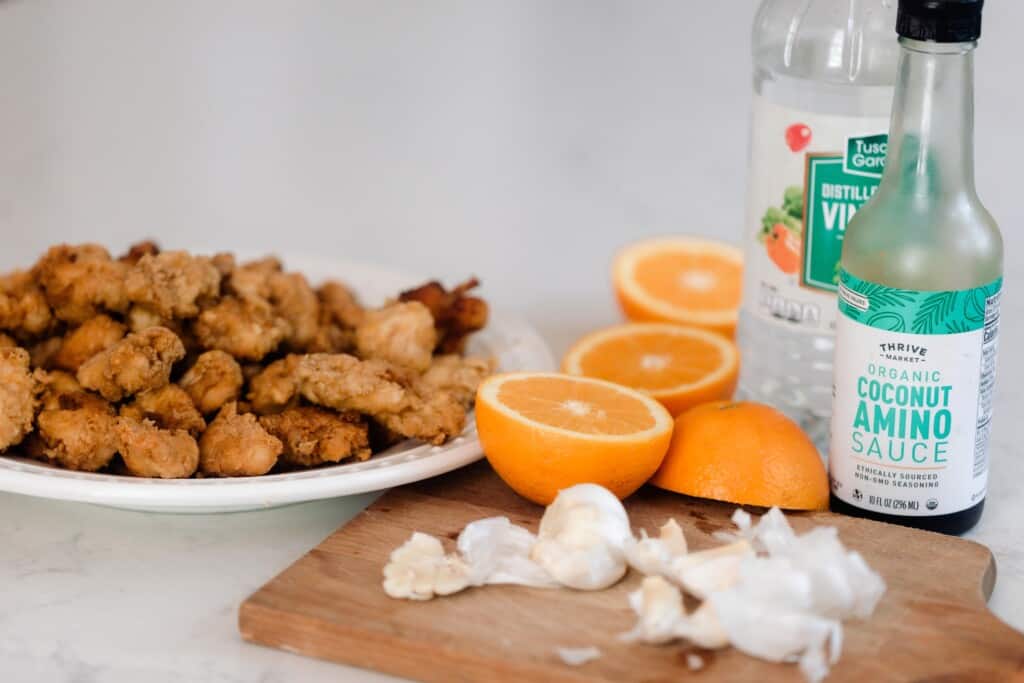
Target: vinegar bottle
919, 298
823, 77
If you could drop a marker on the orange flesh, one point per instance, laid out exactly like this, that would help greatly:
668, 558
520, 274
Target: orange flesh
696, 281
652, 361
576, 406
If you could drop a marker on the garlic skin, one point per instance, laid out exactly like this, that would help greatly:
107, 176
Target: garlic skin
583, 538
419, 569
498, 552
659, 609
577, 656
654, 556
707, 571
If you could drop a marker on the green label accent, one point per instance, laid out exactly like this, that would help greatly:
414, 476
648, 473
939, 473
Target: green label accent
837, 185
914, 312
865, 156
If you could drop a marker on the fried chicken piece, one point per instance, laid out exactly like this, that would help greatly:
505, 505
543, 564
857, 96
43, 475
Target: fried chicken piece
235, 445
401, 333
7, 342
140, 361
213, 380
314, 436
456, 375
59, 390
44, 352
381, 391
252, 280
248, 329
169, 407
224, 262
81, 281
340, 303
331, 337
173, 284
295, 301
138, 250
455, 314
91, 337
23, 306
149, 451
276, 387
17, 397
79, 434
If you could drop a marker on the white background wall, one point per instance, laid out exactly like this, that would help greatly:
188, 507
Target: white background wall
522, 140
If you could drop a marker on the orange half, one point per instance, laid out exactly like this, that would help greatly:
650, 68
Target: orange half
543, 432
679, 366
680, 279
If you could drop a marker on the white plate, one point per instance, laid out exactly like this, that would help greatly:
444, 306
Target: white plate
515, 344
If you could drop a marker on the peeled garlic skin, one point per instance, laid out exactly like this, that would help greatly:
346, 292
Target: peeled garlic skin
582, 538
498, 551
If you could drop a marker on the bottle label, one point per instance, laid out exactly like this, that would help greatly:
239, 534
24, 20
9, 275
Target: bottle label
914, 373
809, 174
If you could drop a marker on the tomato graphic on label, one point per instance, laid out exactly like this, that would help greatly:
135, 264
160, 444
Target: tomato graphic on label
783, 249
798, 136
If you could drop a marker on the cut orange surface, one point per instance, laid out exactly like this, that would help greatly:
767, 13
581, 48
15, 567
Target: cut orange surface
680, 279
744, 453
679, 366
543, 432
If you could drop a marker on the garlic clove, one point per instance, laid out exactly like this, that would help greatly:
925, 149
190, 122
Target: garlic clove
419, 569
653, 556
498, 552
659, 609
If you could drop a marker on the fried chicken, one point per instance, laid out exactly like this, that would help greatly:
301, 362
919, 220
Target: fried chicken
314, 436
138, 250
23, 306
251, 280
248, 329
140, 361
331, 337
340, 303
276, 387
169, 407
401, 333
44, 351
59, 390
213, 380
235, 445
172, 284
78, 438
91, 337
294, 300
7, 341
456, 375
82, 281
149, 451
382, 392
17, 397
455, 314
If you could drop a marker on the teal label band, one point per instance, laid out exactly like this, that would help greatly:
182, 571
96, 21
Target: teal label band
914, 312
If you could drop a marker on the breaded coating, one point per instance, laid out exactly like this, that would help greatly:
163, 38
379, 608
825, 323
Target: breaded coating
331, 337
79, 434
399, 333
23, 306
59, 390
17, 397
456, 375
91, 337
235, 445
149, 451
252, 280
44, 352
213, 380
276, 387
7, 342
456, 314
169, 407
81, 281
224, 262
138, 250
248, 330
382, 392
294, 300
314, 436
340, 303
173, 284
140, 361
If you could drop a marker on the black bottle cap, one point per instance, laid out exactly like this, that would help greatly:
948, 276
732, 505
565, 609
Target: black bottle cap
940, 21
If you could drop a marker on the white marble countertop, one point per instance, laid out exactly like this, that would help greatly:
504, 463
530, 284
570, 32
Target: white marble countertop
523, 140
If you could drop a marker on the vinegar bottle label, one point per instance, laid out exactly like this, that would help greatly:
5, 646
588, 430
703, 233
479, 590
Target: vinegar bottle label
809, 174
913, 397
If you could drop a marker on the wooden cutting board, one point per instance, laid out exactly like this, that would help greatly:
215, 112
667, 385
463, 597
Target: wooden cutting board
932, 624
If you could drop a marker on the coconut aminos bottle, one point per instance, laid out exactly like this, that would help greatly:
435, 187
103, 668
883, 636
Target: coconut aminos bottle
920, 277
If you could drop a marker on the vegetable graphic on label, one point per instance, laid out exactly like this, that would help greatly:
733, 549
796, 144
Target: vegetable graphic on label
783, 249
798, 136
